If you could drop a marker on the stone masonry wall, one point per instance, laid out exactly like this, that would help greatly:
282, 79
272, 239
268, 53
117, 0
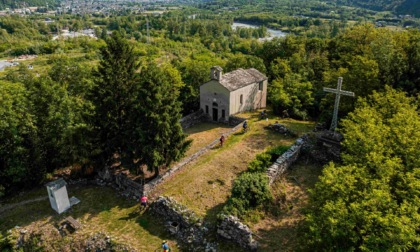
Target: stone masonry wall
130, 188
190, 229
234, 120
231, 228
192, 119
285, 160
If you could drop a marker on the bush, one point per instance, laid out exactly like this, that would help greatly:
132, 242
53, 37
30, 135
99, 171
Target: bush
5, 243
250, 190
276, 152
260, 163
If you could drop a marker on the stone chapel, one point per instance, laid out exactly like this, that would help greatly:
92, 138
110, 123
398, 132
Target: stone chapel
231, 93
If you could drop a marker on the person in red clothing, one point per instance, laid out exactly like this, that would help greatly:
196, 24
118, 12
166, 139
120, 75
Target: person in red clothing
165, 247
143, 201
222, 140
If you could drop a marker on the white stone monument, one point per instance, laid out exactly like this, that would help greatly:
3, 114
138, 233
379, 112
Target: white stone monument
57, 193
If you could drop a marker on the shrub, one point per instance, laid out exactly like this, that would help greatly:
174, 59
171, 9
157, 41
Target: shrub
5, 243
260, 163
250, 190
276, 152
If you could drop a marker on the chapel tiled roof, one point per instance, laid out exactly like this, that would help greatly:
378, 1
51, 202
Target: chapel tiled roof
241, 78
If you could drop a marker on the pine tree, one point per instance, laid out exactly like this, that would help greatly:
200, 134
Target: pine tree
158, 113
112, 96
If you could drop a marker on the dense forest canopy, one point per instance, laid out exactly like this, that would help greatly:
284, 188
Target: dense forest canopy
298, 67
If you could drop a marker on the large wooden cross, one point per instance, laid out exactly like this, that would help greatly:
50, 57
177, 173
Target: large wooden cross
338, 93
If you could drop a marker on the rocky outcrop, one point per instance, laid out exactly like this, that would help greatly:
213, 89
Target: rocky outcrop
286, 160
101, 242
280, 128
231, 228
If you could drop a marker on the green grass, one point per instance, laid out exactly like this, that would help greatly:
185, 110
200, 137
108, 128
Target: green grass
280, 225
194, 186
100, 210
203, 186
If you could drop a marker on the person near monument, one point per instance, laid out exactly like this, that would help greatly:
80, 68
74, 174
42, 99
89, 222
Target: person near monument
245, 125
222, 140
143, 201
165, 247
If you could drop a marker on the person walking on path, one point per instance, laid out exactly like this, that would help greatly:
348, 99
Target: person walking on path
245, 126
165, 247
222, 140
143, 202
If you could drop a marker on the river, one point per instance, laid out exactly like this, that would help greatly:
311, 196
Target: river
273, 33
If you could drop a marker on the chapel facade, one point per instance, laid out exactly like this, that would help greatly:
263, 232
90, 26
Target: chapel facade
231, 93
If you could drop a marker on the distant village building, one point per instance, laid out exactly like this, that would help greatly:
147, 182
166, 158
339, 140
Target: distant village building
231, 93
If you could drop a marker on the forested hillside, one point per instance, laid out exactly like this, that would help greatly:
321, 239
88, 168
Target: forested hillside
371, 4
409, 7
397, 6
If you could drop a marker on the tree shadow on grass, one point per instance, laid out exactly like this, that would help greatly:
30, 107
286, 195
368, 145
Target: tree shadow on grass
93, 201
100, 210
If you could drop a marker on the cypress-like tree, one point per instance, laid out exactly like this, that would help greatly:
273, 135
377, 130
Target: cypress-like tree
158, 112
112, 96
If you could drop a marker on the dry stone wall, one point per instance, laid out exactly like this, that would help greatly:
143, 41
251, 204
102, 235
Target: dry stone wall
192, 119
183, 223
231, 228
234, 120
285, 160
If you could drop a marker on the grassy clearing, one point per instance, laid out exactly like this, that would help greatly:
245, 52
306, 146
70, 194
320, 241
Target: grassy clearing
204, 185
100, 210
203, 134
280, 227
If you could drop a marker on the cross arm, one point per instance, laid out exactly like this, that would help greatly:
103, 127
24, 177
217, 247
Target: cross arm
347, 93
341, 92
330, 90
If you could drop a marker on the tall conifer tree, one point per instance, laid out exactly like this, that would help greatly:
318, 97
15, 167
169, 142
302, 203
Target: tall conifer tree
158, 113
112, 97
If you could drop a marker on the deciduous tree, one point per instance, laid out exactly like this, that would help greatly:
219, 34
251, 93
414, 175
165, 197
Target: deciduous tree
371, 201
